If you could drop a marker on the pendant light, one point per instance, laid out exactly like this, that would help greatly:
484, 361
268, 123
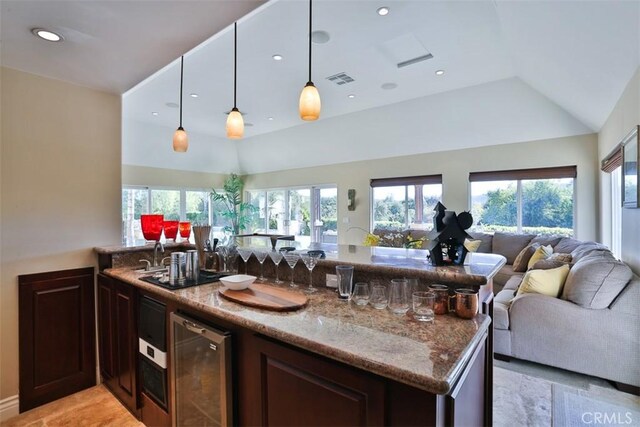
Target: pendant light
180, 138
235, 123
309, 105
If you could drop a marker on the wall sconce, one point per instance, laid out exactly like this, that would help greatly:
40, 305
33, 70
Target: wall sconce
351, 195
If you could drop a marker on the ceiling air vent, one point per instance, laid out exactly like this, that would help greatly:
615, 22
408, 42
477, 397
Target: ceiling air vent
415, 60
341, 78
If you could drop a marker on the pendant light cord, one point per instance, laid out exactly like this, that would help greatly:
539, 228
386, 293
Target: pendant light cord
235, 61
310, 8
181, 79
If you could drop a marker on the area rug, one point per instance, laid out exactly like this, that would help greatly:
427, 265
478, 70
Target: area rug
573, 407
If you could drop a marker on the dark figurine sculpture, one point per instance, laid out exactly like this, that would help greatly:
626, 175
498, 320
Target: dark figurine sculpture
446, 240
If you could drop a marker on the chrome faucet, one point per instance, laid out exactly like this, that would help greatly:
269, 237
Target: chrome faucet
155, 266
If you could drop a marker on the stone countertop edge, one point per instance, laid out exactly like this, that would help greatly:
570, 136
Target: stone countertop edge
441, 384
111, 250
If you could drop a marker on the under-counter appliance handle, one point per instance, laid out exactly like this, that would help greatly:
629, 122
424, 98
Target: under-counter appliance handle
193, 327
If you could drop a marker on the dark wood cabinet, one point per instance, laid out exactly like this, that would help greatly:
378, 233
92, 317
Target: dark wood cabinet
117, 336
57, 338
299, 389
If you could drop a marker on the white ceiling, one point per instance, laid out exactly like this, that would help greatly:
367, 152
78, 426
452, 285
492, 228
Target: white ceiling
109, 45
568, 60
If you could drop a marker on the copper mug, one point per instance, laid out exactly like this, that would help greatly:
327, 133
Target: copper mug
466, 303
441, 305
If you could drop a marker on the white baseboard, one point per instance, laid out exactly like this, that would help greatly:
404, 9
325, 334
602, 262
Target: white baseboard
9, 408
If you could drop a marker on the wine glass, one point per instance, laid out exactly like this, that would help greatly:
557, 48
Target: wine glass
245, 254
276, 257
310, 260
261, 255
292, 260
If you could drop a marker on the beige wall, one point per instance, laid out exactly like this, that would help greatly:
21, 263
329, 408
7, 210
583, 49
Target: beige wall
455, 167
623, 118
147, 176
60, 188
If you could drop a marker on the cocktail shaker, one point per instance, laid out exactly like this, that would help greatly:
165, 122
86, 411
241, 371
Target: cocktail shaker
192, 269
177, 268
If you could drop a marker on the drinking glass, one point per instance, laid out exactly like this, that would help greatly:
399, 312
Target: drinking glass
423, 306
399, 296
292, 260
261, 255
379, 298
245, 254
345, 281
185, 229
361, 294
276, 257
310, 260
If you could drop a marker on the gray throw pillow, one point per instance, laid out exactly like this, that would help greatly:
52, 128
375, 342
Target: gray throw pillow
566, 245
485, 246
596, 280
509, 245
548, 264
521, 263
546, 240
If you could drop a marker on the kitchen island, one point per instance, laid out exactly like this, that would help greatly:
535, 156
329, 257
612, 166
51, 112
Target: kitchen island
392, 369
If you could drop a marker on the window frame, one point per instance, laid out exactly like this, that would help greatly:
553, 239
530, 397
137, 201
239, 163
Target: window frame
401, 182
519, 175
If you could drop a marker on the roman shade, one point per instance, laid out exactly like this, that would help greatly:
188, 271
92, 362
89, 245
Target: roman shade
613, 161
518, 174
406, 180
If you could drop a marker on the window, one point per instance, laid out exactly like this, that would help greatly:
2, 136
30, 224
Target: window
308, 213
535, 201
175, 204
404, 203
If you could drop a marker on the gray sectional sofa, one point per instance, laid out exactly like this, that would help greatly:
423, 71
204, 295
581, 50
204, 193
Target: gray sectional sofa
593, 327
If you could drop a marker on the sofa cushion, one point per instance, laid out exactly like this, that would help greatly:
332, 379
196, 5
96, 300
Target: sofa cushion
500, 315
486, 245
596, 280
509, 245
503, 275
566, 245
544, 240
585, 249
545, 282
513, 283
543, 252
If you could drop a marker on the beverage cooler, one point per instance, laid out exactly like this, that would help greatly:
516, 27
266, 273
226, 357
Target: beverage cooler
201, 373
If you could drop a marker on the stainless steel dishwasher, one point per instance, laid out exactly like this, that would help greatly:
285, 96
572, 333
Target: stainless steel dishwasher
200, 374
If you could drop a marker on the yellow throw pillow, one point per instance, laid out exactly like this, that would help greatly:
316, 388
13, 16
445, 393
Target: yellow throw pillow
543, 252
545, 282
472, 245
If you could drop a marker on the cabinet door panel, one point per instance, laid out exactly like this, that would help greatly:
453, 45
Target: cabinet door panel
125, 344
300, 389
105, 325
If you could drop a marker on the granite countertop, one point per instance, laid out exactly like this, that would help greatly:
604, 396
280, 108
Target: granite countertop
427, 356
110, 250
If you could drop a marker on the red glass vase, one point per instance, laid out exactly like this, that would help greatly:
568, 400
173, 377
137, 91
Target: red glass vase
152, 226
171, 229
185, 229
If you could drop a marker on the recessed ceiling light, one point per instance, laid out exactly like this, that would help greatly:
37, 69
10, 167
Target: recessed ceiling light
320, 37
172, 105
193, 95
382, 11
270, 119
389, 86
154, 113
277, 57
439, 72
351, 96
47, 35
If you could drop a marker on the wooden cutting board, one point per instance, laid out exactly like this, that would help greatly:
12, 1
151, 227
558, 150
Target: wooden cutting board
266, 297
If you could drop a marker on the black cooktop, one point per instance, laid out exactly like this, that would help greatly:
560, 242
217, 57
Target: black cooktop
204, 278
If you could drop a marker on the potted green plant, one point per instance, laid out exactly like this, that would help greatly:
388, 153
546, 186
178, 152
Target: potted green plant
238, 212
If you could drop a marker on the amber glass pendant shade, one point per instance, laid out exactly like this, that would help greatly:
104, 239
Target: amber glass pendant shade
180, 140
310, 103
235, 124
